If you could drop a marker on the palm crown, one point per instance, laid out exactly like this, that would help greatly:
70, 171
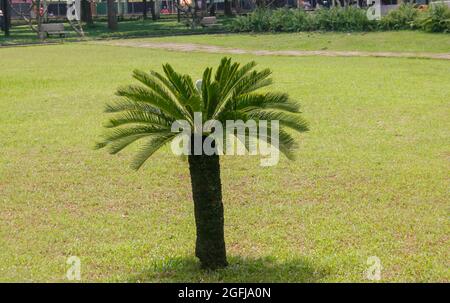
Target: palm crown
147, 111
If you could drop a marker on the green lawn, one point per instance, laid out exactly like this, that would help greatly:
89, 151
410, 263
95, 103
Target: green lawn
401, 41
371, 177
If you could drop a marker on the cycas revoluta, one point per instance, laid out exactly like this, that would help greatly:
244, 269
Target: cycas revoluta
147, 111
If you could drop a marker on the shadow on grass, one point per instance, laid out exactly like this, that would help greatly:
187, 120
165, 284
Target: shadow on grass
266, 269
127, 29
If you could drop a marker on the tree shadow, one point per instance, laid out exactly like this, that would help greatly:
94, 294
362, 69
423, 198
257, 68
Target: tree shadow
267, 269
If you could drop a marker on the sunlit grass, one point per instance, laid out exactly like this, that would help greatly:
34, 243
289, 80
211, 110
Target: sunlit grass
371, 177
401, 41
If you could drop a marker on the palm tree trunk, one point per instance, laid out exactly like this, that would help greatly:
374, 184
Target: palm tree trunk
208, 208
112, 19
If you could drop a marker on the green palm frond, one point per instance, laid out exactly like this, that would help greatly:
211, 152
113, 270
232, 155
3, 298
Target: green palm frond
147, 111
182, 84
253, 81
266, 101
150, 147
120, 138
246, 84
124, 105
159, 88
141, 94
139, 117
285, 118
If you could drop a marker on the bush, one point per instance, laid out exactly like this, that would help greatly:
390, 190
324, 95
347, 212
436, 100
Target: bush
343, 19
257, 21
436, 19
406, 16
403, 17
295, 20
290, 20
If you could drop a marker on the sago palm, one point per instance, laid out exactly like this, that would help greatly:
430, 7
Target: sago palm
147, 111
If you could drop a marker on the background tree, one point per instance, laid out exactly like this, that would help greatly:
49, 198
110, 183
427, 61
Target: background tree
203, 7
147, 112
86, 12
227, 8
153, 9
144, 14
212, 8
112, 18
6, 22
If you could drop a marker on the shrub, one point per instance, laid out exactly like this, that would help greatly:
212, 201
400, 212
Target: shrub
406, 16
240, 24
436, 19
403, 17
343, 19
295, 20
257, 21
290, 20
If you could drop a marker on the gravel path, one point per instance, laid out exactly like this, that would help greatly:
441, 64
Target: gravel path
190, 47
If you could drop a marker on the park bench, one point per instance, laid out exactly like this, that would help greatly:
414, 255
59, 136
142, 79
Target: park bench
208, 21
53, 29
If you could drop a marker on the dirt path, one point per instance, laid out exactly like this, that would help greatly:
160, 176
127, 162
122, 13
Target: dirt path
190, 47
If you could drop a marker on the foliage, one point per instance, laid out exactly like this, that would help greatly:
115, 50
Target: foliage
295, 20
406, 16
401, 18
436, 19
148, 111
257, 21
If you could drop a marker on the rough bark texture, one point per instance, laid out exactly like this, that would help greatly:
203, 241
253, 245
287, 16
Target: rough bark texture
208, 207
112, 19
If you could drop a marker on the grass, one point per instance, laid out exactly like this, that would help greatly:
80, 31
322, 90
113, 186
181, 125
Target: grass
134, 28
371, 177
401, 41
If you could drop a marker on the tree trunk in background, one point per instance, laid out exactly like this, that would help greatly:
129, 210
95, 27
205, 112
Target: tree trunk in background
157, 9
260, 3
144, 14
39, 20
227, 8
208, 209
212, 8
203, 4
152, 9
6, 22
237, 6
195, 18
86, 12
112, 19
